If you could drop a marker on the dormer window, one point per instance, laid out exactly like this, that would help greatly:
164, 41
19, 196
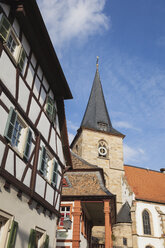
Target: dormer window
102, 126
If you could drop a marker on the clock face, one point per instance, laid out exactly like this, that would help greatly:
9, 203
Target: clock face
102, 151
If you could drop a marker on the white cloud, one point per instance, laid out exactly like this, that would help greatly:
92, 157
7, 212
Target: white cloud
132, 154
71, 137
67, 19
125, 124
71, 126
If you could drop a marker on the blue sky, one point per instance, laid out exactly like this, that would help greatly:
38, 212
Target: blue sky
129, 38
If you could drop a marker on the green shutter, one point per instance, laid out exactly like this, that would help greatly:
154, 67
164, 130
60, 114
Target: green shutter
50, 108
32, 239
4, 28
54, 173
46, 244
12, 117
12, 235
28, 144
21, 60
43, 160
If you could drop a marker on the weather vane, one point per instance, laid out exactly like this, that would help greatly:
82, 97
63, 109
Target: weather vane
97, 62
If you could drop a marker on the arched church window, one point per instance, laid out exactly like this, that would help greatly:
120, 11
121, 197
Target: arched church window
146, 223
148, 246
102, 149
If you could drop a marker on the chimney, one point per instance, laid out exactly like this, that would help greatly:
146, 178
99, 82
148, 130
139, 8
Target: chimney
162, 170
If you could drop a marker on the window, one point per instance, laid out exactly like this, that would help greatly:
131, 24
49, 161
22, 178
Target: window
65, 213
12, 42
38, 238
124, 241
18, 134
102, 126
146, 222
48, 166
8, 230
102, 149
50, 109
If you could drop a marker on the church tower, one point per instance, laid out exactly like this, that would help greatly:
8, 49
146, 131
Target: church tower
98, 142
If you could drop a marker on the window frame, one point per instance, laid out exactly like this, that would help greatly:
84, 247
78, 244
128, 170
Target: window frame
5, 234
50, 103
25, 138
70, 215
48, 168
146, 221
19, 55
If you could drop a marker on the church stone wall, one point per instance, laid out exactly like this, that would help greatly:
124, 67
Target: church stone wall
122, 231
87, 144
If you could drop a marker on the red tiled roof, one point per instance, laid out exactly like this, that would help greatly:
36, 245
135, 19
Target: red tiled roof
146, 184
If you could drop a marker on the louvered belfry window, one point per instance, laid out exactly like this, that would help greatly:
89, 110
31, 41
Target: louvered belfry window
146, 222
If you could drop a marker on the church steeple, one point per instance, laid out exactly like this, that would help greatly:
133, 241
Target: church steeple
96, 115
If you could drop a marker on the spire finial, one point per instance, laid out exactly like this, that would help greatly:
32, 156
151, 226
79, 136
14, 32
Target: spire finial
97, 63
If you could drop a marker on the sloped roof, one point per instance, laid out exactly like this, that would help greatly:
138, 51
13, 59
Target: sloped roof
96, 110
147, 184
85, 183
124, 214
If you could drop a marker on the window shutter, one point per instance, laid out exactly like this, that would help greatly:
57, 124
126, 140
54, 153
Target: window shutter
43, 160
28, 144
46, 244
54, 173
4, 28
12, 117
32, 239
12, 235
21, 60
50, 108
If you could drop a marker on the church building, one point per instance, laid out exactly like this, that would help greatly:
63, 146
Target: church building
135, 209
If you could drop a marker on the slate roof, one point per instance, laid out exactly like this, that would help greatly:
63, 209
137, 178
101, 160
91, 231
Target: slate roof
124, 215
147, 185
96, 110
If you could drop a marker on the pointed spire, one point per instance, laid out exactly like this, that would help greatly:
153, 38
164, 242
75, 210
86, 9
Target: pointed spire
96, 115
97, 63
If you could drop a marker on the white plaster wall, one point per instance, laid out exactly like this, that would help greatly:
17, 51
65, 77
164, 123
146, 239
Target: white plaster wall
2, 149
23, 95
28, 178
33, 60
43, 126
27, 217
37, 85
20, 167
10, 162
126, 194
39, 73
30, 75
60, 151
40, 185
16, 27
6, 101
156, 243
42, 96
83, 243
49, 194
34, 111
6, 8
45, 83
25, 44
53, 140
157, 232
9, 79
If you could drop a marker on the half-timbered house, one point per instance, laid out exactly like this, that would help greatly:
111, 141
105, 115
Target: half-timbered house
33, 138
